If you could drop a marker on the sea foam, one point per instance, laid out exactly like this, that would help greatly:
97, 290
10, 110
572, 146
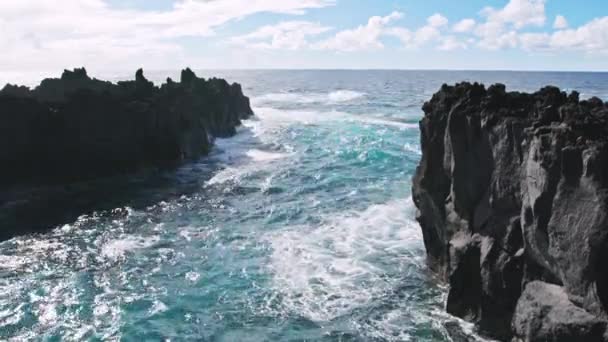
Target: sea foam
337, 96
272, 116
326, 271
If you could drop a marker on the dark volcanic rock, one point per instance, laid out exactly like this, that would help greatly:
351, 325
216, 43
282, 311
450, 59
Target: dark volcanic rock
513, 188
77, 128
544, 313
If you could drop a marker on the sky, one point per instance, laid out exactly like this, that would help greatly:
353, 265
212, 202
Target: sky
51, 35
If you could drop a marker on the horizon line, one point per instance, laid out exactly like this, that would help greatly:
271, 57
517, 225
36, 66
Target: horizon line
308, 69
369, 69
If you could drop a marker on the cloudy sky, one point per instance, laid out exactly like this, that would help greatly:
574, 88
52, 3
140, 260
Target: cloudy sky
49, 35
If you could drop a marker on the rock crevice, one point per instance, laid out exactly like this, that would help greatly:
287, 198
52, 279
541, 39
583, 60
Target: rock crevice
512, 190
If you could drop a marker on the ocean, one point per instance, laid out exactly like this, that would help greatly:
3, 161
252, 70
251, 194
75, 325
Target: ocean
299, 228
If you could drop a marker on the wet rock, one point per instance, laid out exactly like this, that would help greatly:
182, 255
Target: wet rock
78, 128
513, 188
456, 333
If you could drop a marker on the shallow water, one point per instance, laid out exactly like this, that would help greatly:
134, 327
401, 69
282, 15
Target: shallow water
300, 228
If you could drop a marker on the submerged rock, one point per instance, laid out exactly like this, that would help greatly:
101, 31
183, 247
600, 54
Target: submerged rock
78, 128
512, 189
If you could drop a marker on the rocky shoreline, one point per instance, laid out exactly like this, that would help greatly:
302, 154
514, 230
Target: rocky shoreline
71, 145
78, 128
512, 198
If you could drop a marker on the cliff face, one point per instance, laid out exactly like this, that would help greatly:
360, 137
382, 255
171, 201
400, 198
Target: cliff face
512, 192
77, 128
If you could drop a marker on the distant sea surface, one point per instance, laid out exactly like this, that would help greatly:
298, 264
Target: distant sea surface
300, 228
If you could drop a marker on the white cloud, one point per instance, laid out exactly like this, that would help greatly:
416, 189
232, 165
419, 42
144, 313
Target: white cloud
520, 13
488, 34
591, 38
431, 31
426, 34
364, 37
369, 36
50, 34
290, 35
560, 22
403, 34
463, 26
535, 41
500, 30
499, 41
450, 43
437, 20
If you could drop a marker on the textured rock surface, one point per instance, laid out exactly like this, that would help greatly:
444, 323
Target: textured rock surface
76, 128
544, 313
513, 188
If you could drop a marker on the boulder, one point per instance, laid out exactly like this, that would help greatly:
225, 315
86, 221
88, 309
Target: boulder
544, 313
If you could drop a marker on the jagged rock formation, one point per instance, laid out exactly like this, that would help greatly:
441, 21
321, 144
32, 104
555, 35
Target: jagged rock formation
77, 128
512, 192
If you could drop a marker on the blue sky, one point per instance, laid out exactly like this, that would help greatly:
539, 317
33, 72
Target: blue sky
46, 35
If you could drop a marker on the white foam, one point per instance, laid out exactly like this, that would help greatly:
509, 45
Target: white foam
412, 148
337, 96
326, 271
389, 327
382, 122
267, 184
47, 314
272, 117
229, 174
286, 97
12, 316
117, 249
157, 307
239, 160
344, 95
12, 262
262, 156
468, 328
106, 309
192, 276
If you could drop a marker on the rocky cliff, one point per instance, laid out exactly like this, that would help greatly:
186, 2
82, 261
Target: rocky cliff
512, 192
76, 127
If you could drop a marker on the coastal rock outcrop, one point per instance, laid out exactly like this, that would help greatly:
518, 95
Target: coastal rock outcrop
512, 198
78, 128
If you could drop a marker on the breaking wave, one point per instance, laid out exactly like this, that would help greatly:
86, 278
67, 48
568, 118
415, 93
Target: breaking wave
337, 96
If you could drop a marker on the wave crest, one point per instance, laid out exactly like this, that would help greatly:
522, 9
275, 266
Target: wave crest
336, 96
344, 95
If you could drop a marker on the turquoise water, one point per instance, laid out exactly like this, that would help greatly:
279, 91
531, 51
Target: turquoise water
300, 228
